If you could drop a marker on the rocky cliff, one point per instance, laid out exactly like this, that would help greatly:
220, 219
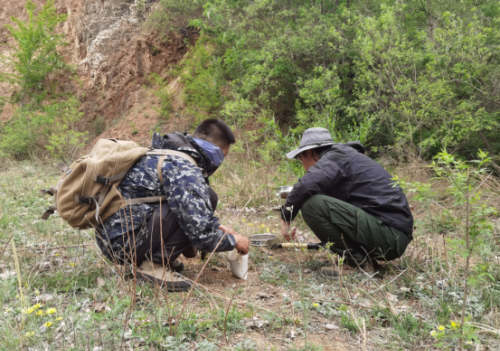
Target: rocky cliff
113, 57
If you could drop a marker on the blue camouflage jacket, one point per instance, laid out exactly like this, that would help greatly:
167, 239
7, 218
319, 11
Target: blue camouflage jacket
186, 191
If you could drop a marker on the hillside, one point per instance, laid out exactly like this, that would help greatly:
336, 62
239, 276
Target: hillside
112, 58
416, 82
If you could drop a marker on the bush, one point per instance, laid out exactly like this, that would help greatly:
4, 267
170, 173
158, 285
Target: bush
35, 54
409, 74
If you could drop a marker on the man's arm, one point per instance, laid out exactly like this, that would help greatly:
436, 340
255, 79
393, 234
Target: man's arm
242, 243
188, 197
325, 174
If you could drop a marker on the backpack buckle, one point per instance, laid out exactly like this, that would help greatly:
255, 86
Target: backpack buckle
101, 180
85, 200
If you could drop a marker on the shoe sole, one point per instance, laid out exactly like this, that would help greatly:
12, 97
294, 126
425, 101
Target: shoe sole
170, 286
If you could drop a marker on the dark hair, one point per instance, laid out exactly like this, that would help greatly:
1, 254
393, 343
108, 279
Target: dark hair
321, 150
318, 150
215, 130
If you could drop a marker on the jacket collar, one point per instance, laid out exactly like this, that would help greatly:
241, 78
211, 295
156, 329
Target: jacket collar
185, 143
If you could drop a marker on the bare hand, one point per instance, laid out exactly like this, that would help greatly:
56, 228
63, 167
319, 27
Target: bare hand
242, 244
285, 229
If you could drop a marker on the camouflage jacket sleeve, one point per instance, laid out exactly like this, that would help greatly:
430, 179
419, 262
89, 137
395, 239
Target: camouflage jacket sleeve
188, 197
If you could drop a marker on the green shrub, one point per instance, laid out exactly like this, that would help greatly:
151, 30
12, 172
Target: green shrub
409, 74
35, 54
64, 141
99, 125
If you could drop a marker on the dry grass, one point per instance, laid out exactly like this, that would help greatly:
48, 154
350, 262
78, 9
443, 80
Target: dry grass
395, 309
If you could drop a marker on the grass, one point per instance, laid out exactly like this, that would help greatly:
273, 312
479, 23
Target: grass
87, 303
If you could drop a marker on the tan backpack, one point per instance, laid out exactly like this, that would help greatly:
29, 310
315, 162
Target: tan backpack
87, 194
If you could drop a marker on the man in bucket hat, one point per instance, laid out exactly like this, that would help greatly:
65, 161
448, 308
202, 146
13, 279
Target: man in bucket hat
349, 201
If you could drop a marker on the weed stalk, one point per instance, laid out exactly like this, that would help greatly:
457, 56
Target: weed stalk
467, 260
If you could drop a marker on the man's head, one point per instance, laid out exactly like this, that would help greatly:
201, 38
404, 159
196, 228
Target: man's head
314, 140
217, 132
308, 158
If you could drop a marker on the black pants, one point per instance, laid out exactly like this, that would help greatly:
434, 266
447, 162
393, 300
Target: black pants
161, 241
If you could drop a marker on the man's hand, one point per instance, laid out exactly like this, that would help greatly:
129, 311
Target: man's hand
285, 229
242, 244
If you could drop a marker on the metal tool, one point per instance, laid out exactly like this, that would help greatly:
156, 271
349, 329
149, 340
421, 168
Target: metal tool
297, 246
284, 190
266, 239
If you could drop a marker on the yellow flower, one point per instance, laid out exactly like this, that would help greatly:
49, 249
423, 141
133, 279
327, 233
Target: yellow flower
39, 313
28, 311
72, 264
48, 324
433, 333
267, 229
59, 318
29, 334
315, 305
37, 306
441, 327
454, 325
51, 310
243, 220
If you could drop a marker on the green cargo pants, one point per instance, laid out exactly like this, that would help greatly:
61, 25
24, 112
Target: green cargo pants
352, 232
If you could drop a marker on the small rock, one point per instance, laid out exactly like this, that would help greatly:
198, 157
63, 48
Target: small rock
392, 298
101, 307
7, 274
45, 266
254, 322
215, 269
441, 284
100, 282
264, 296
331, 327
292, 334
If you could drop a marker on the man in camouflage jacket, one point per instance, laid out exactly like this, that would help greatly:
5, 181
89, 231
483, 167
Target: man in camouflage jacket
182, 224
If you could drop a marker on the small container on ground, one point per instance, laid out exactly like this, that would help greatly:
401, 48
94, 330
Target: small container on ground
238, 264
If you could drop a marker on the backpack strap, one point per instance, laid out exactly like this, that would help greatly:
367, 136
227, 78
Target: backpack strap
50, 211
163, 153
168, 152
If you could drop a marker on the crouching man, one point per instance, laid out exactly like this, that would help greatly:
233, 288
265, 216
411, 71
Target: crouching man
153, 235
349, 201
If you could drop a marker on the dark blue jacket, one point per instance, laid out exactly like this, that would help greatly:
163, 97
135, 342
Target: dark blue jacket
186, 190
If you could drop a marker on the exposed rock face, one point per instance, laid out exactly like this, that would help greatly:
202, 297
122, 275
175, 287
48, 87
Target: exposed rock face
103, 28
112, 54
